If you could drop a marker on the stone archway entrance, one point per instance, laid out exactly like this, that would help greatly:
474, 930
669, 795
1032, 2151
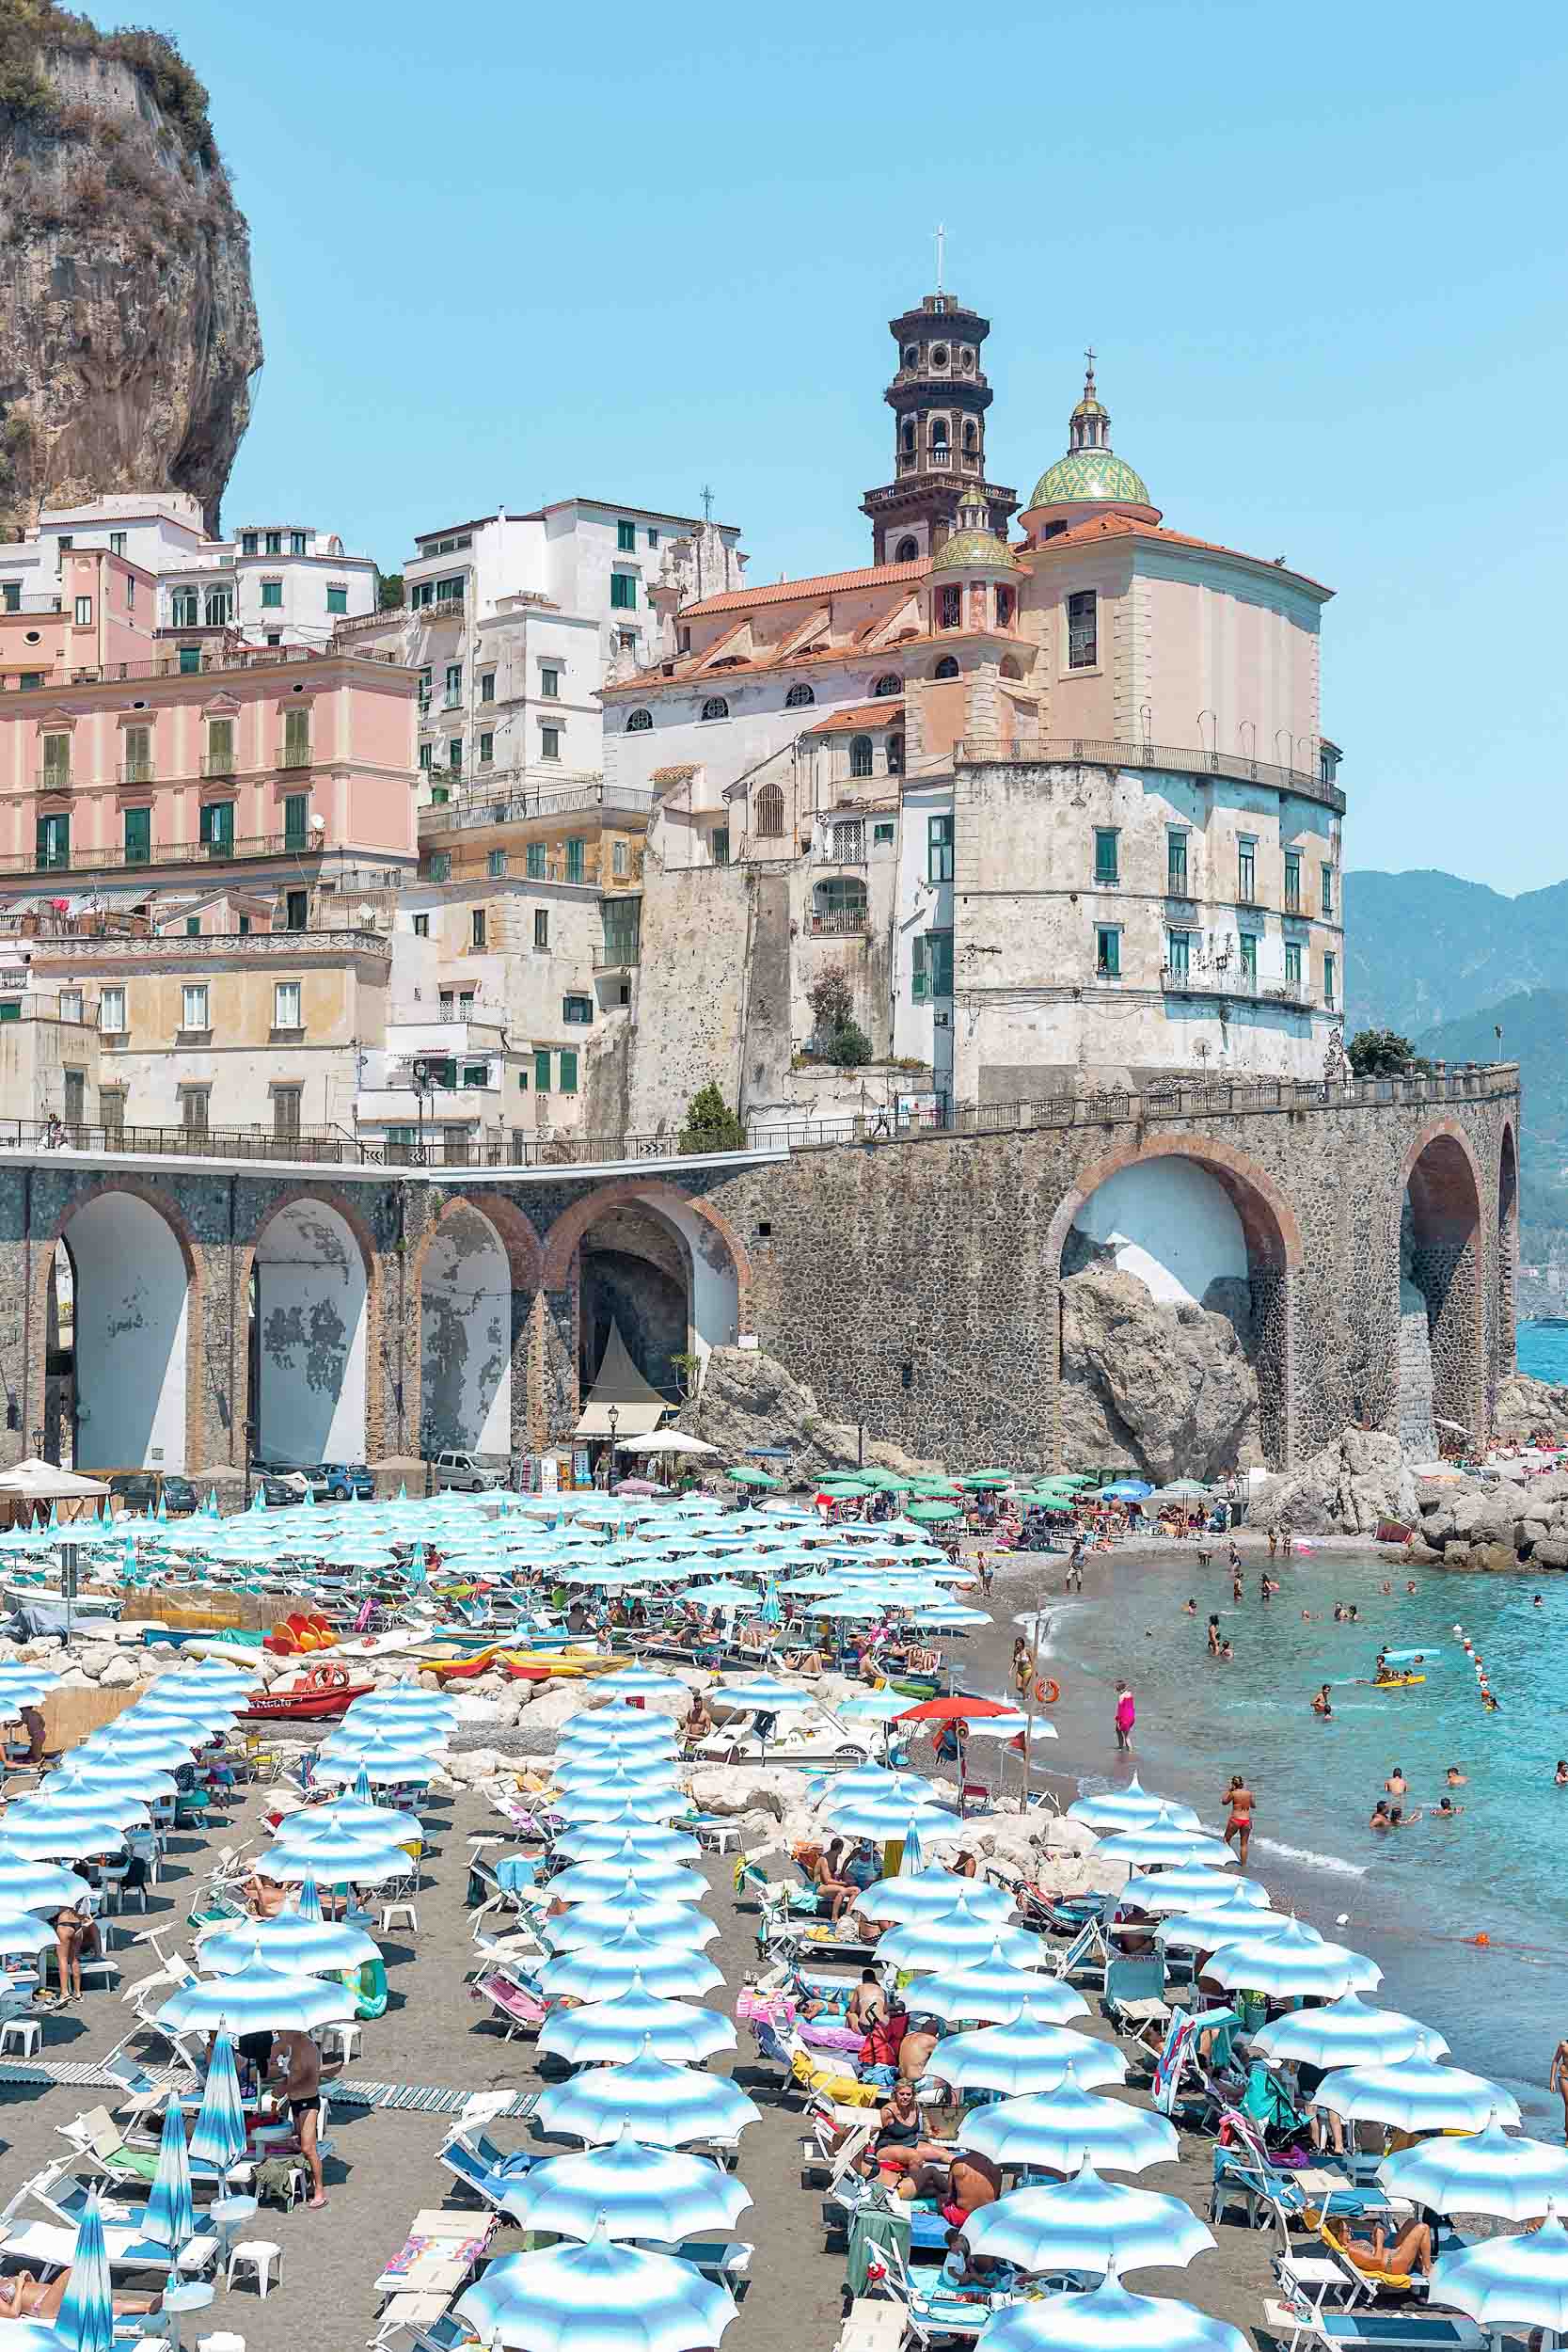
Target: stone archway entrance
309, 1337
466, 1336
118, 1356
1441, 1355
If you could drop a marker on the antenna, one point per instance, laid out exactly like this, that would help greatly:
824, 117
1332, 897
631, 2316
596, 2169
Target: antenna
942, 247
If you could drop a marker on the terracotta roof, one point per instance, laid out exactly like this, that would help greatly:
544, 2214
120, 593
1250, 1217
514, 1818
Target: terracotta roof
822, 585
693, 669
675, 775
877, 714
1126, 527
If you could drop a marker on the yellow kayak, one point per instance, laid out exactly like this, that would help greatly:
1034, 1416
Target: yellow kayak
1397, 1683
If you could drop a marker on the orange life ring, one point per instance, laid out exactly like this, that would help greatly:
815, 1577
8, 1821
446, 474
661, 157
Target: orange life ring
324, 1678
1047, 1692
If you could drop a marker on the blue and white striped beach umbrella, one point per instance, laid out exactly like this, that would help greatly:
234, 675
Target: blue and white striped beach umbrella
218, 2135
598, 2297
642, 1682
949, 1938
255, 1999
122, 1777
667, 2107
87, 2320
29, 1885
347, 1817
1294, 1960
170, 2217
1163, 1842
616, 1727
165, 1747
1086, 2226
341, 1860
1106, 2319
301, 1947
1486, 2172
1347, 2032
885, 1820
627, 1846
69, 1837
1193, 1887
628, 2190
1206, 1931
677, 1927
622, 1809
1509, 2282
913, 1895
619, 1880
23, 1931
1024, 2055
1128, 1809
990, 1990
1416, 2094
602, 1970
629, 1777
114, 1806
1062, 2130
606, 2033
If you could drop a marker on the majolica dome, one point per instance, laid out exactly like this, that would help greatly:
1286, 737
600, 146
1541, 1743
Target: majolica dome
1091, 473
974, 545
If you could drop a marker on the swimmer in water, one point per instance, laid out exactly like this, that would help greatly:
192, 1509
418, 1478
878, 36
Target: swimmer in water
1236, 1588
1560, 1778
1191, 1609
1455, 1778
1214, 1637
1411, 1586
1387, 1586
1447, 1810
1238, 1828
1321, 1704
1338, 1612
1227, 1654
1536, 1602
1396, 1784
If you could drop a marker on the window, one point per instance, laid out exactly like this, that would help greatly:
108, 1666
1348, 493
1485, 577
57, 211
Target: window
577, 1011
626, 538
1176, 865
192, 1006
1328, 979
111, 1011
296, 542
218, 827
801, 697
939, 434
52, 842
1082, 630
574, 860
297, 737
550, 742
1106, 860
908, 551
454, 686
297, 909
639, 721
889, 683
274, 543
622, 591
83, 612
476, 1073
487, 685
618, 860
1006, 599
10, 1009
716, 708
882, 836
718, 845
939, 849
297, 820
1248, 943
57, 762
950, 608
947, 667
536, 860
860, 756
486, 749
10, 596
285, 1005
244, 927
274, 637
495, 864
195, 1108
247, 542
653, 536
1178, 954
422, 926
1107, 951
1292, 963
568, 1071
541, 929
286, 1103
220, 749
455, 753
849, 841
541, 1069
441, 866
1246, 869
271, 595
549, 683
218, 606
138, 836
116, 542
623, 927
190, 660
769, 812
75, 1096
111, 1111
841, 900
1327, 877
182, 608
933, 966
1293, 881
337, 599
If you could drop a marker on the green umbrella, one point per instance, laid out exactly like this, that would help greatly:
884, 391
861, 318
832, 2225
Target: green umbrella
979, 1481
842, 1489
1055, 1506
933, 1512
744, 1476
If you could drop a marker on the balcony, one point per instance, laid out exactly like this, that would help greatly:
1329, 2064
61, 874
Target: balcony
1173, 758
52, 780
625, 958
294, 755
218, 764
440, 609
1294, 904
1235, 983
12, 609
134, 771
271, 845
452, 698
515, 804
228, 657
840, 923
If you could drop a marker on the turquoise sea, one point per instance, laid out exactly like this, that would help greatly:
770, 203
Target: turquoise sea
1542, 1353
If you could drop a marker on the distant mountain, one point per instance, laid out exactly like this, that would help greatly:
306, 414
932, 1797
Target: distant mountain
1535, 1035
1425, 947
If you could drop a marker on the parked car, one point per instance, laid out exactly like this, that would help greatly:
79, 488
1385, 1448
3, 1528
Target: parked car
282, 1486
139, 1490
461, 1471
340, 1482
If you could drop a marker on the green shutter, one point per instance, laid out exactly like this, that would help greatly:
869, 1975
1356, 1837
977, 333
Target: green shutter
296, 811
568, 1071
138, 836
542, 1069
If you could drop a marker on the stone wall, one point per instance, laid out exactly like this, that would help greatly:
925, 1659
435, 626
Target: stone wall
692, 986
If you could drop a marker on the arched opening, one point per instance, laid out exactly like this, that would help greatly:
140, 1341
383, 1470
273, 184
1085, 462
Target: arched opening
800, 697
309, 1337
466, 1337
860, 756
635, 1279
907, 551
1175, 1347
117, 1373
1508, 1249
1439, 1353
947, 667
769, 812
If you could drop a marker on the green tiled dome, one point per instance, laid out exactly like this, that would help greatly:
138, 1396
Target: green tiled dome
971, 549
1090, 473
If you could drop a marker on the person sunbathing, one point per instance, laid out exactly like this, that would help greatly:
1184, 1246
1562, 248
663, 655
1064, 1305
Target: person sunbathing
832, 1891
901, 2144
26, 2296
1403, 2256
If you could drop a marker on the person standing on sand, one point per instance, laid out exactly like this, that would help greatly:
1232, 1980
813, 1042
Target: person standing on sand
1126, 1715
1239, 1802
1274, 1541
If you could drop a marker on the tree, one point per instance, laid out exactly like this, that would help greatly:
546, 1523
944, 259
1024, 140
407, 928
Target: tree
1383, 1054
831, 999
710, 1124
391, 596
850, 1048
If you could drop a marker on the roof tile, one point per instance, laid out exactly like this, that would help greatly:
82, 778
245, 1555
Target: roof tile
822, 584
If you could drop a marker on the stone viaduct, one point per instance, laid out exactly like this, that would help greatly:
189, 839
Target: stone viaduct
366, 1312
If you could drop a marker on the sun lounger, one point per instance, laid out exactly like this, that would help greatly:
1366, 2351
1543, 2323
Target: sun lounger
933, 2314
478, 2165
1363, 2330
52, 2245
511, 2003
1134, 1998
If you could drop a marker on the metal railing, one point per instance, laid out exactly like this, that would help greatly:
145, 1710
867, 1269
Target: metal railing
1179, 759
112, 859
1232, 981
134, 771
840, 923
52, 780
30, 604
294, 755
219, 763
227, 658
502, 805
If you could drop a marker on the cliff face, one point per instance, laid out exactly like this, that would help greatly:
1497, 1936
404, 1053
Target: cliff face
128, 329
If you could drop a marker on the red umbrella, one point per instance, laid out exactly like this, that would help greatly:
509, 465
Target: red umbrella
952, 1711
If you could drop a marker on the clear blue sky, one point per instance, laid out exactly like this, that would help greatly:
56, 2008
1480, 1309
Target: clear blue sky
503, 254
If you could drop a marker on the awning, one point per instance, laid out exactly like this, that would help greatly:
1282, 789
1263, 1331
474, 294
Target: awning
638, 1406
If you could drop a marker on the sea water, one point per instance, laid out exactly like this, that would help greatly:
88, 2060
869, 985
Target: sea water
1414, 1899
1542, 1353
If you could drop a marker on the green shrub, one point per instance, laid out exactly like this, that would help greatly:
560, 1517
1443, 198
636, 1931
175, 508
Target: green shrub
710, 1124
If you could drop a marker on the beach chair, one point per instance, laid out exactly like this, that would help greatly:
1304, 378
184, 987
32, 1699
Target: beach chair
931, 2315
513, 2003
1133, 1998
479, 2167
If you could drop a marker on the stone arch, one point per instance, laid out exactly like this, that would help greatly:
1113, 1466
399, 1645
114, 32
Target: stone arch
474, 1275
315, 1378
1270, 1236
1507, 1247
1437, 1232
133, 1395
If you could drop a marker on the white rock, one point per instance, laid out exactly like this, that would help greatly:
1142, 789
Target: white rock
94, 1657
119, 1674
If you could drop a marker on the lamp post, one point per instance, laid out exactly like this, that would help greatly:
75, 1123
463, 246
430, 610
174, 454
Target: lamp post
613, 1417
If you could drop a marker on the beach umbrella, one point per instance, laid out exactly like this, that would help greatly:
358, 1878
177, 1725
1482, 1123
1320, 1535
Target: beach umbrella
1063, 2129
623, 1879
949, 1938
1416, 2094
927, 1894
993, 1990
389, 1767
1293, 1960
956, 1708
667, 2107
164, 1748
1023, 2056
25, 1931
170, 2219
1161, 1842
218, 2134
1509, 2282
339, 1861
1128, 1490
766, 1693
934, 1514
744, 1476
628, 2190
1129, 1808
604, 2033
603, 1735
677, 1927
1106, 2319
1206, 1931
301, 1946
1485, 2172
120, 1810
602, 1970
869, 1780
86, 2316
348, 1817
255, 1999
1347, 2032
29, 1885
70, 1838
631, 1846
597, 2298
1088, 2225
643, 1682
1193, 1887
884, 1819
623, 1808
119, 1777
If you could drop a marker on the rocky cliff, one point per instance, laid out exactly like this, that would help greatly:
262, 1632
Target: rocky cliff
128, 330
1166, 1391
748, 1399
1360, 1479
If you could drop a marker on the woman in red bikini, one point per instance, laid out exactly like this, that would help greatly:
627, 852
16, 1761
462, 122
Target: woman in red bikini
1238, 1827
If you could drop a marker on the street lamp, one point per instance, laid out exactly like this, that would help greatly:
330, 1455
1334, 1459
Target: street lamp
613, 1417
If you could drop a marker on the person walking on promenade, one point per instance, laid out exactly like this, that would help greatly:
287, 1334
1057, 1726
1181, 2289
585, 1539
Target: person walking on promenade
1126, 1716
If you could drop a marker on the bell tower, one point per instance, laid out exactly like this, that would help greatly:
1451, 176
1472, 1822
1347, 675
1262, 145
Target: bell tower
938, 397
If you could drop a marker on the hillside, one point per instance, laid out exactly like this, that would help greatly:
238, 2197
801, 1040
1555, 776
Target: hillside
1425, 947
1535, 1033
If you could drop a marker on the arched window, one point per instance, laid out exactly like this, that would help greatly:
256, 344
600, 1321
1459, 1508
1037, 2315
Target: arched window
950, 608
860, 754
909, 438
911, 355
939, 433
895, 755
769, 812
1011, 666
639, 721
972, 435
889, 683
716, 708
907, 551
800, 698
1006, 599
839, 901
947, 667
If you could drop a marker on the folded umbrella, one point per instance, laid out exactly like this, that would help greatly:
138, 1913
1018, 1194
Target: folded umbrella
170, 2217
218, 2134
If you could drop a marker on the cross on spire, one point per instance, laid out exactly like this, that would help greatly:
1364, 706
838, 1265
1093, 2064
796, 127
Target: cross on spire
1088, 381
942, 247
706, 497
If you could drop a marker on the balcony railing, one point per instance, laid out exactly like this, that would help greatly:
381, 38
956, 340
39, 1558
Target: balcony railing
171, 853
839, 923
294, 755
219, 763
439, 609
52, 780
227, 658
134, 771
501, 805
9, 609
1177, 758
1233, 980
618, 958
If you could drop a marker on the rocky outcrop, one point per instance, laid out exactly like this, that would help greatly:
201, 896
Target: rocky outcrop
1160, 1388
748, 1399
1360, 1478
1529, 1409
128, 329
